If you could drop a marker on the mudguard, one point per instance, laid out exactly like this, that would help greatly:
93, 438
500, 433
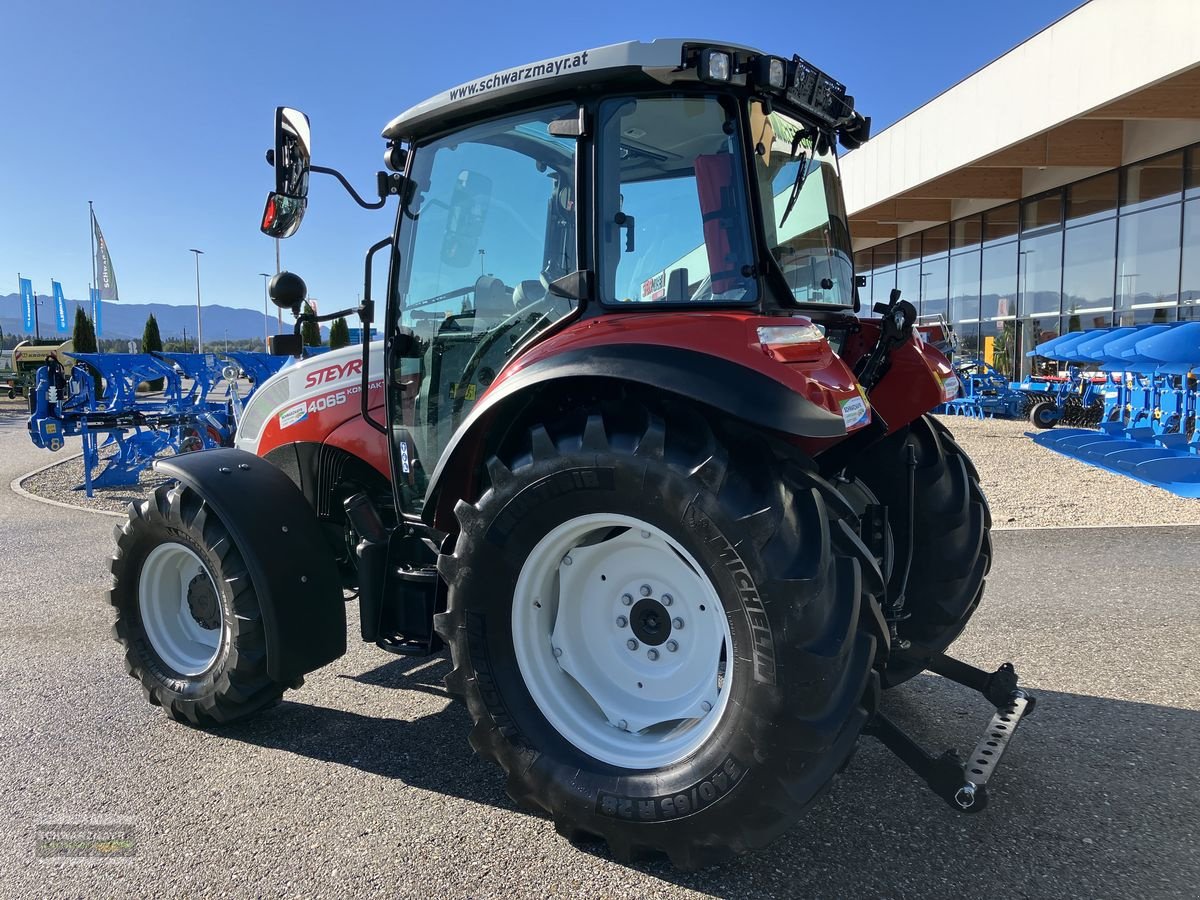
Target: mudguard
290, 563
712, 381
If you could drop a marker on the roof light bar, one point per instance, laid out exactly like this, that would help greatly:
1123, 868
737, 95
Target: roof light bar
715, 65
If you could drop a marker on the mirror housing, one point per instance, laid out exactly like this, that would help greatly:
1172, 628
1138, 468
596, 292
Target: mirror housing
287, 291
292, 159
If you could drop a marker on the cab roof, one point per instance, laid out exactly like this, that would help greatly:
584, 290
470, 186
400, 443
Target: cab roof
662, 61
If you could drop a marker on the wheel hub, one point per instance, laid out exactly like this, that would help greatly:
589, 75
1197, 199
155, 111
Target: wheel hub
650, 621
202, 602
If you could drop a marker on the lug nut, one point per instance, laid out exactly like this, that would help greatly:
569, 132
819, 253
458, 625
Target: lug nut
622, 621
567, 560
645, 534
631, 644
672, 646
677, 622
652, 655
646, 591
557, 652
623, 725
667, 599
706, 706
627, 599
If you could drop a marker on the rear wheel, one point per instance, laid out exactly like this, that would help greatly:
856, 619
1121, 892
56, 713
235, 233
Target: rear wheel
1045, 414
187, 613
950, 536
657, 632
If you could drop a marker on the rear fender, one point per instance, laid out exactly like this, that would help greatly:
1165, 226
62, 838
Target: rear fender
290, 563
739, 391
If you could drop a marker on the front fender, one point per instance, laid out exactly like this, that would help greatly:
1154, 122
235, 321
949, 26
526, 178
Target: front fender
712, 381
289, 561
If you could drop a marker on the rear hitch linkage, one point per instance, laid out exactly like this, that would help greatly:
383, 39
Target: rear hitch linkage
963, 785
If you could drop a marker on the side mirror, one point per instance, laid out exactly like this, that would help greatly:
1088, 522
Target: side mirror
464, 222
292, 158
285, 345
287, 290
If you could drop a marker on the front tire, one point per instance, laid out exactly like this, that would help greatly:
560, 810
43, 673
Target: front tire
187, 613
764, 584
1045, 415
950, 538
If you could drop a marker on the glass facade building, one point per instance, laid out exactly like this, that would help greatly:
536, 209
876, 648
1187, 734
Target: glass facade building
1119, 248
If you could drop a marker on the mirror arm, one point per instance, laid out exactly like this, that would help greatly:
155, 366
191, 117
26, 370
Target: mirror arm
366, 315
324, 170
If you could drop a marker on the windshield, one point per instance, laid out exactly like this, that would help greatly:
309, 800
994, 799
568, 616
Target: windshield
491, 225
803, 210
673, 224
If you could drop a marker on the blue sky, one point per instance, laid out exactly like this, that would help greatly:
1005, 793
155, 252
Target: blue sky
160, 112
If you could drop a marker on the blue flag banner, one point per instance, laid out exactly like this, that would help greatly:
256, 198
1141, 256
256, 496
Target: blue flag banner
97, 306
27, 301
60, 305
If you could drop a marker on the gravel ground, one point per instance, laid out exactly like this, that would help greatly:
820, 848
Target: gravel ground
1028, 486
363, 783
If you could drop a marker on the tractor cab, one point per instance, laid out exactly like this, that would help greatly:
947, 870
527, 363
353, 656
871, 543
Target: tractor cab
674, 176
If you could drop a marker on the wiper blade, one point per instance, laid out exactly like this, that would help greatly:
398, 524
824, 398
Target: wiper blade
801, 176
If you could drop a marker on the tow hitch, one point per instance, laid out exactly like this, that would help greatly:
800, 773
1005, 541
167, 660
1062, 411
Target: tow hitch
963, 784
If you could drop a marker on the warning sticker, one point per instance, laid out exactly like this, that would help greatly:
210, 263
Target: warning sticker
293, 414
950, 388
854, 411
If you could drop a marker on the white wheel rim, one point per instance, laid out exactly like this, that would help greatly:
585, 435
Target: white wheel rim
606, 671
171, 573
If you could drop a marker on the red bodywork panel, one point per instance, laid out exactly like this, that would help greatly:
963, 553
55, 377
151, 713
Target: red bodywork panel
918, 379
812, 370
333, 418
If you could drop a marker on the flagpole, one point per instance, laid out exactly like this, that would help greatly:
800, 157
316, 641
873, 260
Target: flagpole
92, 236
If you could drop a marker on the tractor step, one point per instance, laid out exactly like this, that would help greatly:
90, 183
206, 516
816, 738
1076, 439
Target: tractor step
961, 784
403, 646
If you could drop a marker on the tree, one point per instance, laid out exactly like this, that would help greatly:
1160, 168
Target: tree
152, 340
310, 332
84, 334
84, 339
339, 333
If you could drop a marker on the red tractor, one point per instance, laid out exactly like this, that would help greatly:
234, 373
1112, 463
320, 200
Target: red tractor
625, 448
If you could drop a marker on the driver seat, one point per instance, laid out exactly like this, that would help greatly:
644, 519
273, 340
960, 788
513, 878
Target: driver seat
493, 302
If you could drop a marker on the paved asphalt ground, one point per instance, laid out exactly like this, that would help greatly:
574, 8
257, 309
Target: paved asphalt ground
362, 783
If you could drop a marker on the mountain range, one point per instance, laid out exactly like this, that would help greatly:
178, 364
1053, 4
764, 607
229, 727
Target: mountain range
126, 320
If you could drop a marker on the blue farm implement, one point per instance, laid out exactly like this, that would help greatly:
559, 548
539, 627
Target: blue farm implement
984, 392
1148, 428
98, 401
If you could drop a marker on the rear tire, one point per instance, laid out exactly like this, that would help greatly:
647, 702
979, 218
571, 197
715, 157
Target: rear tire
760, 539
187, 612
952, 545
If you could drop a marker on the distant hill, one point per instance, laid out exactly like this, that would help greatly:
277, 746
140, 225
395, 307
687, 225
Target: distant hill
126, 320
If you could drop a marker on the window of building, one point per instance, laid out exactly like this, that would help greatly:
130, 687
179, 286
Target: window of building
1148, 252
1152, 183
966, 233
908, 280
935, 241
934, 283
1089, 267
1092, 199
1189, 289
909, 247
998, 285
882, 282
1042, 212
1001, 223
964, 287
1191, 175
1040, 274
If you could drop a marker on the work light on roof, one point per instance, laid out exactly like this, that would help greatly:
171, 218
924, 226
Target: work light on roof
771, 72
715, 65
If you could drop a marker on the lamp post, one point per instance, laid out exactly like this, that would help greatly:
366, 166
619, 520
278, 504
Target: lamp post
199, 326
266, 317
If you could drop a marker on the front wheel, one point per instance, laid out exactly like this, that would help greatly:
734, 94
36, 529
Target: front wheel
658, 633
187, 613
